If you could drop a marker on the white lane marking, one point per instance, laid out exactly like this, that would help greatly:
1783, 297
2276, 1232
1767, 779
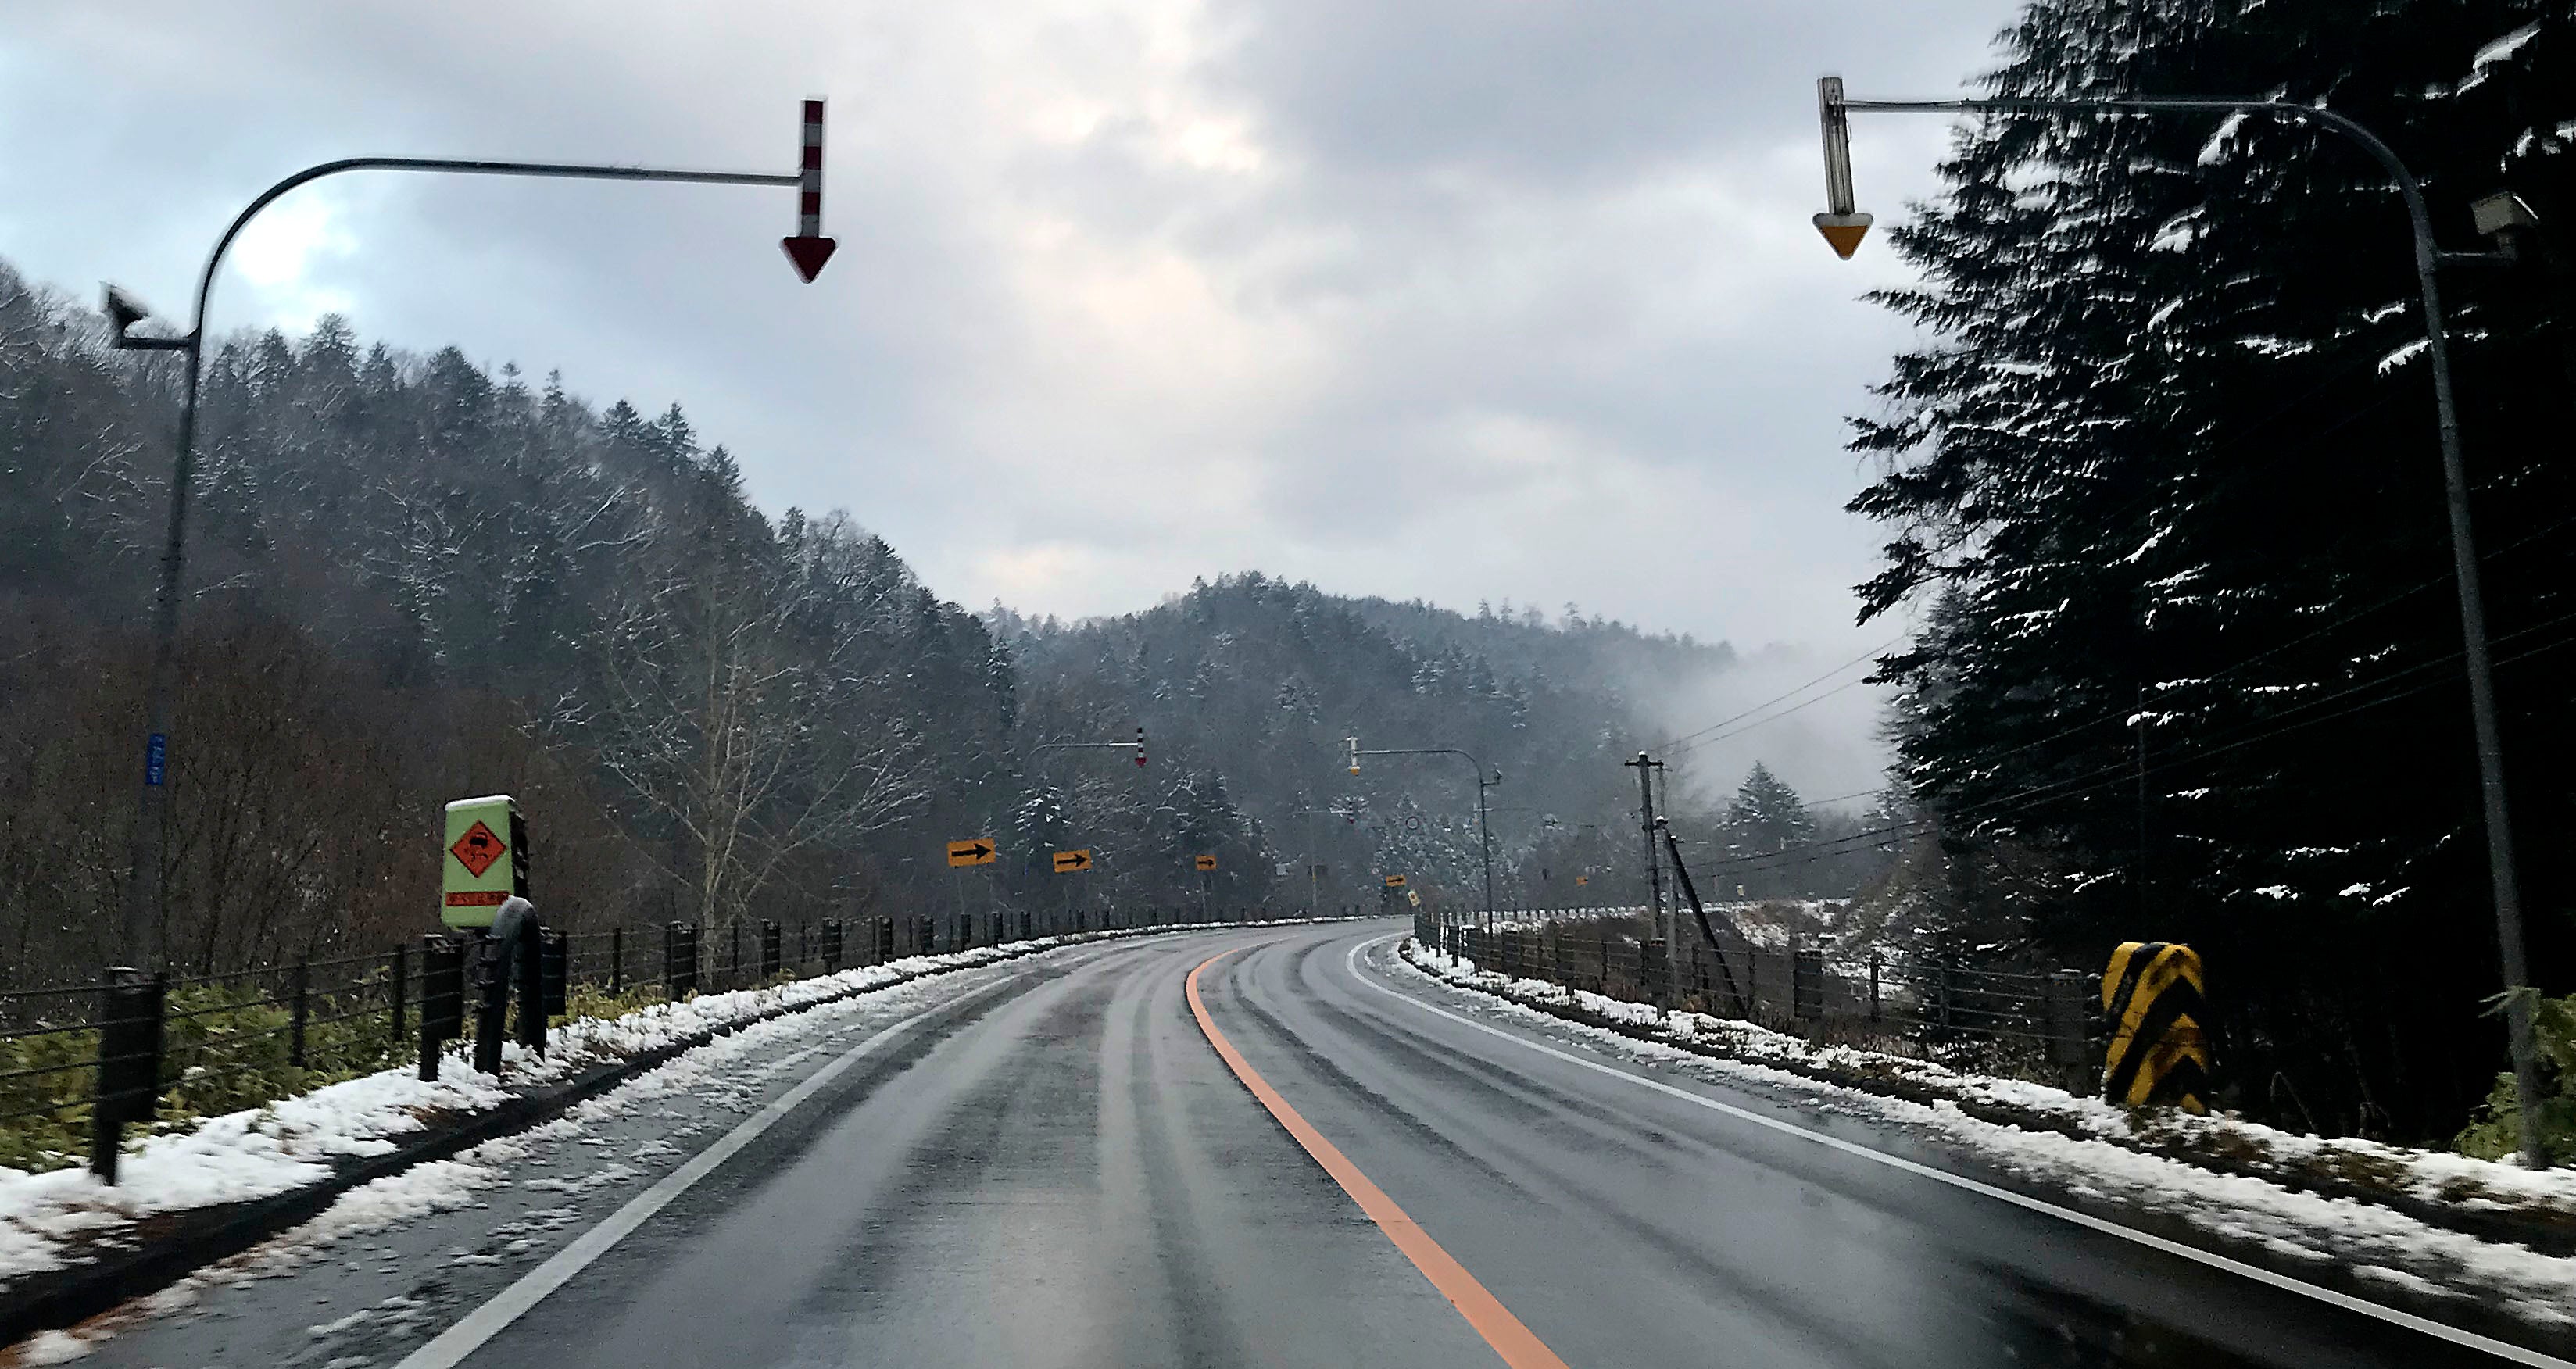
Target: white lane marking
2500, 1349
483, 1323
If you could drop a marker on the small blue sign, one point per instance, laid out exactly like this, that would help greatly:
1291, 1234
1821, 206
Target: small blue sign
156, 758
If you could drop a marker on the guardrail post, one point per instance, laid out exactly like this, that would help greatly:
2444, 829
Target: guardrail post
885, 939
442, 998
1807, 982
616, 960
532, 989
769, 942
2069, 1025
397, 984
733, 962
128, 1088
1873, 986
299, 1010
831, 945
555, 959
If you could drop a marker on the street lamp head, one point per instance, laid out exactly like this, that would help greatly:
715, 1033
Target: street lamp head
2504, 218
123, 310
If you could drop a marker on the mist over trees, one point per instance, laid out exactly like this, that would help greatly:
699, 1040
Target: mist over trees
413, 578
2166, 491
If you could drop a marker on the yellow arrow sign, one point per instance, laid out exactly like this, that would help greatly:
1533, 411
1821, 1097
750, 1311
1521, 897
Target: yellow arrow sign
1204, 862
980, 851
1395, 881
1068, 861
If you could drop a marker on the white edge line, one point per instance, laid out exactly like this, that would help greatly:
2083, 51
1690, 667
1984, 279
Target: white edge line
2439, 1330
452, 1345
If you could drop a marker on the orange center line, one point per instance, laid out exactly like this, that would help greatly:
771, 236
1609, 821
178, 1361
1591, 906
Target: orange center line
1483, 1311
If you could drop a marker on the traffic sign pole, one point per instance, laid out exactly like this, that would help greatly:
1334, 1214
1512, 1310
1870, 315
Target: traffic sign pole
809, 249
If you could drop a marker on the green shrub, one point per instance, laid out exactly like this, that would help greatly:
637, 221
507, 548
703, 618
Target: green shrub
2498, 1130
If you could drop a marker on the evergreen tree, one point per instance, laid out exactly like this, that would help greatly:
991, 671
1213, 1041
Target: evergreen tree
2168, 482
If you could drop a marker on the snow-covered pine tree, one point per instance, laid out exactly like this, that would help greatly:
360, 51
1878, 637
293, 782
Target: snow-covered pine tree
2171, 474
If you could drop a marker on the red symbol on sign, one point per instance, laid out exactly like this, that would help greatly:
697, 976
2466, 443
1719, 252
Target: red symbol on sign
477, 849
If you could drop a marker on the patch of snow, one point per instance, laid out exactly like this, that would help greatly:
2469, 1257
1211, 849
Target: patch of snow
52, 1347
2402, 355
2500, 50
2215, 150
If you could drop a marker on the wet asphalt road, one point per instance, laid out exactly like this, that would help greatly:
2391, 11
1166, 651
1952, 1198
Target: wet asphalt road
1057, 1169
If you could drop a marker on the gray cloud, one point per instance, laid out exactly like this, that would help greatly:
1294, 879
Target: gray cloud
1434, 298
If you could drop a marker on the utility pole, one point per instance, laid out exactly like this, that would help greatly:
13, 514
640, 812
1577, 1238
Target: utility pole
1646, 768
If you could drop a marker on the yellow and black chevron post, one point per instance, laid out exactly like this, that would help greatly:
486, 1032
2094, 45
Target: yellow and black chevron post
2159, 1053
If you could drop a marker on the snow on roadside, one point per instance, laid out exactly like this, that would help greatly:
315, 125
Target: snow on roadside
2377, 1244
48, 1218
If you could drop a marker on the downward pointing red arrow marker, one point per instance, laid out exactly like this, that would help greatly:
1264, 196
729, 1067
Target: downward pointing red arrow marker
808, 255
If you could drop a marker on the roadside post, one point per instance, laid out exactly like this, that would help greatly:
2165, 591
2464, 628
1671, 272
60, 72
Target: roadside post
442, 998
485, 865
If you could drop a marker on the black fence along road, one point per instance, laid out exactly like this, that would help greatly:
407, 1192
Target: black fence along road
185, 1045
1056, 1168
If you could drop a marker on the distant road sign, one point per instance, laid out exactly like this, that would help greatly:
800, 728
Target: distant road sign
980, 851
1413, 898
1583, 879
1204, 862
1068, 861
1395, 881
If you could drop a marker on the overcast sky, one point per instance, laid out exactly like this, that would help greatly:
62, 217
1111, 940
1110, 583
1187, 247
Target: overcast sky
1501, 299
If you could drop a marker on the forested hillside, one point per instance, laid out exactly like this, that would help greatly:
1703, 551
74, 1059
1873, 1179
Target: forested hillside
412, 579
2167, 487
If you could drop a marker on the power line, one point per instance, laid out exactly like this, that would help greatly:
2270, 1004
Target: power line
2079, 785
1863, 658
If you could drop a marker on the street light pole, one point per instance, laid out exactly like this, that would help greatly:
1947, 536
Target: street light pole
2518, 992
1484, 834
143, 882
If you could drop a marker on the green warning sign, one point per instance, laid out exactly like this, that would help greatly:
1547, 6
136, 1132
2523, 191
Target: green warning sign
485, 862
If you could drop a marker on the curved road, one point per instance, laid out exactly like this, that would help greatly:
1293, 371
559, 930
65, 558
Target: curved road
1058, 1169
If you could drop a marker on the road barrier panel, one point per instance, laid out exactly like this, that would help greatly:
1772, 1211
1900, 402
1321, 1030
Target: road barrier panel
2155, 1004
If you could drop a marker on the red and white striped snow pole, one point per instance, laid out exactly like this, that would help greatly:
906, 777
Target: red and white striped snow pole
809, 249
